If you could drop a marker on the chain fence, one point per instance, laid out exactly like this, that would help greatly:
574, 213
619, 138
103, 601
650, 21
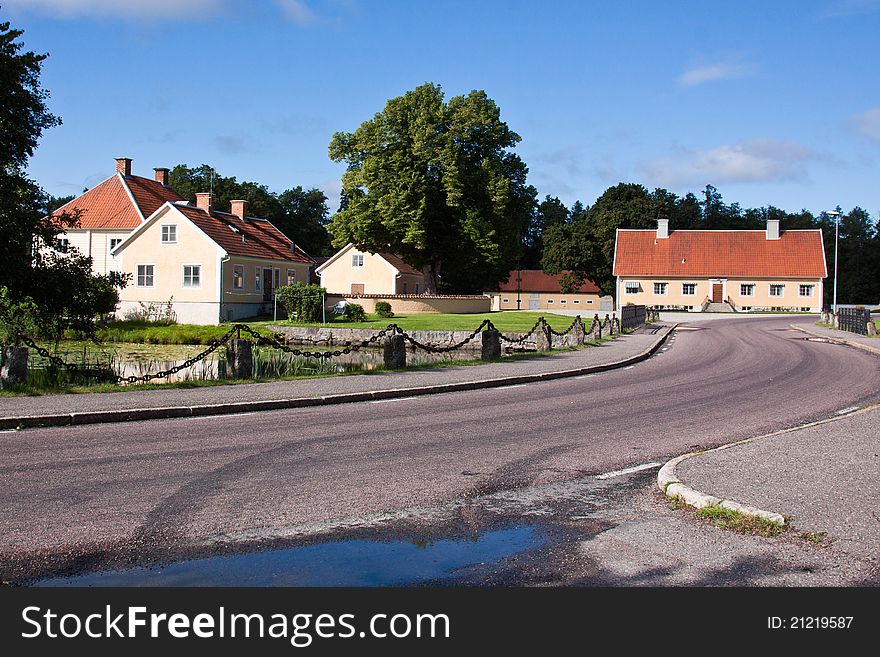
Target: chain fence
612, 324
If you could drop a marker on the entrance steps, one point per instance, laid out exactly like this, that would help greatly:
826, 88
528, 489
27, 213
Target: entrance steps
719, 308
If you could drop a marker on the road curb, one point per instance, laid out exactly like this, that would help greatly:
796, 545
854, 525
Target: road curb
672, 486
134, 415
836, 340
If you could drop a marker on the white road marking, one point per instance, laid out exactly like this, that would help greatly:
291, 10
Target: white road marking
583, 376
628, 367
515, 385
848, 409
395, 399
626, 471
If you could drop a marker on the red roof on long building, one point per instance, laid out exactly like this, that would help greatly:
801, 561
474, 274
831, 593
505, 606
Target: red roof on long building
712, 253
254, 238
109, 205
535, 280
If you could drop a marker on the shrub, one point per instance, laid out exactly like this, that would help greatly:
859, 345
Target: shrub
160, 314
383, 309
304, 303
354, 312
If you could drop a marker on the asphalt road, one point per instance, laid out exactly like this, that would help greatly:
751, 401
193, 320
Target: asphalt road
77, 497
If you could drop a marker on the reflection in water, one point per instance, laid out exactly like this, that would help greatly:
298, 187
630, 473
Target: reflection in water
345, 563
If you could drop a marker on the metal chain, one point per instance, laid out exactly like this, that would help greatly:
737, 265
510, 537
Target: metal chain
441, 350
522, 339
272, 342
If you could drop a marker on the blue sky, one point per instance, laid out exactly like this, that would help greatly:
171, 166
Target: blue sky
773, 102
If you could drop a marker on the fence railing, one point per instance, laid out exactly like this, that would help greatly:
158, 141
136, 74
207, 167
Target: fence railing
854, 320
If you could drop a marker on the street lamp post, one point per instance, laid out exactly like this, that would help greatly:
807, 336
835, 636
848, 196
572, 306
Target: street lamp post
836, 215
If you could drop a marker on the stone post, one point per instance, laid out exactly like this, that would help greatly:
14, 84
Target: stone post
15, 365
872, 327
596, 328
544, 338
613, 329
577, 333
240, 358
491, 344
395, 352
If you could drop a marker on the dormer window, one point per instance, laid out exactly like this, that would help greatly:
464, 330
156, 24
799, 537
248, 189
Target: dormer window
169, 234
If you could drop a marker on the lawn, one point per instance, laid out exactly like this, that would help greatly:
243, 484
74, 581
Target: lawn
506, 322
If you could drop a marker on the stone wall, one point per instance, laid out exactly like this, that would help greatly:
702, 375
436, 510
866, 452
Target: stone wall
404, 304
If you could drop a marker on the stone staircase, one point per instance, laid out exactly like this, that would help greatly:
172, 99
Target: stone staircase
719, 308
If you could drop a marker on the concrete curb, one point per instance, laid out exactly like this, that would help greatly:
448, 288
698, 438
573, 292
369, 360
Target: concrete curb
851, 343
135, 415
672, 486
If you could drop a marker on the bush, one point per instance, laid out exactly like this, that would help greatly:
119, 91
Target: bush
354, 312
304, 303
160, 314
383, 309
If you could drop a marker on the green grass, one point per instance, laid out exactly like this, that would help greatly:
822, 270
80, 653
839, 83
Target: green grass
819, 539
740, 522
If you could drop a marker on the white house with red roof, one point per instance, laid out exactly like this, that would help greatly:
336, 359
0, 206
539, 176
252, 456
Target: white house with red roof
211, 266
111, 210
532, 289
720, 270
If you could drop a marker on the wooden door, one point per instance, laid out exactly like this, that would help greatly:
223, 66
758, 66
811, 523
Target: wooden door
357, 289
716, 292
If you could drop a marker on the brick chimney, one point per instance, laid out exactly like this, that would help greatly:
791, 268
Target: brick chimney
123, 166
662, 228
239, 209
161, 175
204, 201
773, 229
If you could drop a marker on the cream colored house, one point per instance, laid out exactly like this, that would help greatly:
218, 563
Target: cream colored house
532, 289
110, 211
212, 266
720, 270
355, 272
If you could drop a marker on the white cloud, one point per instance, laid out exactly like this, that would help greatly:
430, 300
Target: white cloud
725, 70
298, 12
759, 160
123, 9
868, 123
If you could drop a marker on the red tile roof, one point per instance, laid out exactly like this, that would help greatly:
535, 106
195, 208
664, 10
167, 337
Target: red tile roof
399, 264
535, 280
261, 238
108, 205
711, 253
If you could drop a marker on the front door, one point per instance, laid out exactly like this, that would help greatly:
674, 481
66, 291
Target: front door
716, 292
357, 289
268, 285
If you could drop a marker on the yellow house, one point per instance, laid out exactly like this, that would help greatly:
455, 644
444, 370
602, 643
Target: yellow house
720, 270
211, 266
355, 272
532, 289
110, 211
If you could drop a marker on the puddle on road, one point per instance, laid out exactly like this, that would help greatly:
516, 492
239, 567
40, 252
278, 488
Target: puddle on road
345, 563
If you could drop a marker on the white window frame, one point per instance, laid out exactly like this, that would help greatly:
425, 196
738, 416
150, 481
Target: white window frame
809, 287
238, 269
631, 287
195, 269
137, 275
563, 301
357, 260
62, 245
549, 300
172, 229
117, 240
258, 278
663, 287
684, 291
781, 287
750, 292
576, 301
276, 277
505, 300
291, 276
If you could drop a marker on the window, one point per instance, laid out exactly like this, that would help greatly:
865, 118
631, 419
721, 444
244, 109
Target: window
357, 260
192, 275
169, 234
805, 309
805, 290
417, 288
258, 278
660, 288
276, 277
291, 276
549, 300
238, 277
404, 288
114, 242
746, 290
776, 290
576, 301
563, 301
688, 289
505, 301
631, 288
589, 301
145, 275
62, 245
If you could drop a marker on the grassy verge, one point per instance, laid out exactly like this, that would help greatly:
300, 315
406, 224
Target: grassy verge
740, 522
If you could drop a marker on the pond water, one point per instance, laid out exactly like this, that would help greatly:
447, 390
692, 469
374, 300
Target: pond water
342, 563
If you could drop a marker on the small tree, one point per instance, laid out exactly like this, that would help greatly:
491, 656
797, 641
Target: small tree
354, 312
303, 303
383, 309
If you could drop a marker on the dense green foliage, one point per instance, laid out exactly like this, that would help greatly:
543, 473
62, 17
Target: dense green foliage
584, 241
354, 312
304, 303
383, 309
299, 213
42, 291
436, 183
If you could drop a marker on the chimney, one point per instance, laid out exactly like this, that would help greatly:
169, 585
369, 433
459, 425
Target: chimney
239, 209
662, 228
123, 166
773, 229
161, 175
203, 201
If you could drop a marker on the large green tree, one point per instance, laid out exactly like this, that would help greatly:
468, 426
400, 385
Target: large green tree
436, 183
43, 290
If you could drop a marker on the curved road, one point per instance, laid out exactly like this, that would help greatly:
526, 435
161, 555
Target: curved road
73, 496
